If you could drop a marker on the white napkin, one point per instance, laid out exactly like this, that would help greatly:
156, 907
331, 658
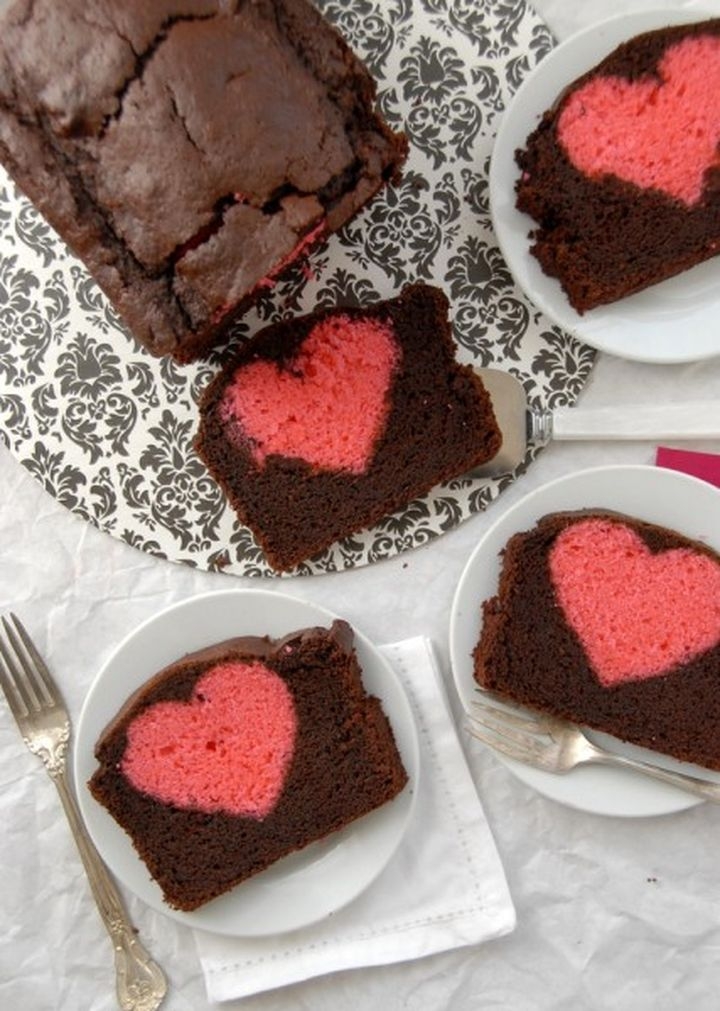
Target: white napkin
443, 888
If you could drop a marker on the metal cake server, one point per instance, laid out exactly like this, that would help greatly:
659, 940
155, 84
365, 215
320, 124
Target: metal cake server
43, 721
521, 424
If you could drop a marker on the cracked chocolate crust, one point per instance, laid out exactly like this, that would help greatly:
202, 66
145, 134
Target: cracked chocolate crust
188, 150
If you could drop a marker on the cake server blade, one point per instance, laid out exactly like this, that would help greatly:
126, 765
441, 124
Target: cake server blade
522, 424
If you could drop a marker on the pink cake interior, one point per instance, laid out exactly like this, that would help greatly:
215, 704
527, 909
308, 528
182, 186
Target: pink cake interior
228, 749
329, 405
636, 614
656, 133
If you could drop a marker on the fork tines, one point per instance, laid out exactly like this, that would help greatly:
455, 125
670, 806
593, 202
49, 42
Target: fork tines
24, 676
510, 729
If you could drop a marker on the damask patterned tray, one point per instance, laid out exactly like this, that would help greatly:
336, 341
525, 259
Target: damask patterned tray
107, 429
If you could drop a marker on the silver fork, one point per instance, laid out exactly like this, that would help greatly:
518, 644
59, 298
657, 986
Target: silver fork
556, 746
43, 721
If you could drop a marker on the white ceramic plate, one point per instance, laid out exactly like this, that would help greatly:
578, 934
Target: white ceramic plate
674, 321
674, 500
301, 888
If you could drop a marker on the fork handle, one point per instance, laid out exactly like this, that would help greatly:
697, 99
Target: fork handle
684, 781
141, 984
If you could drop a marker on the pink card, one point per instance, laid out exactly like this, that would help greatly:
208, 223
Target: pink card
703, 465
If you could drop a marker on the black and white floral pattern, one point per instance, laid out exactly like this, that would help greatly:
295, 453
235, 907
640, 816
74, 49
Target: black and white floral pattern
107, 429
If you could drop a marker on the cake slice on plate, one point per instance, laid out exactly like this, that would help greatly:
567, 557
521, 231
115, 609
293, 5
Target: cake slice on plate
614, 623
243, 752
323, 425
622, 175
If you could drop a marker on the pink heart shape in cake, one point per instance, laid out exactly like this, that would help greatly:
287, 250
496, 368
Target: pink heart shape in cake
636, 614
656, 133
328, 406
228, 749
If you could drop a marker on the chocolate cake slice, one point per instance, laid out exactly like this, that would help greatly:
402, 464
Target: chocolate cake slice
622, 175
323, 425
188, 150
241, 753
610, 622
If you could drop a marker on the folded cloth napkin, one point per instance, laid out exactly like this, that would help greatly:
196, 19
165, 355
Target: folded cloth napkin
703, 465
443, 888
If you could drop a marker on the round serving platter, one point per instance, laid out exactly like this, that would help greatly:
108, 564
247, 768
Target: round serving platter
107, 429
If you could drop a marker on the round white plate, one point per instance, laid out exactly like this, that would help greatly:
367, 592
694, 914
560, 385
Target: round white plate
674, 321
666, 497
301, 888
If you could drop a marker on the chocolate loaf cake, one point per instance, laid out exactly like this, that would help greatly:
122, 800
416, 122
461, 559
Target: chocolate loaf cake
244, 752
323, 425
610, 622
188, 150
622, 175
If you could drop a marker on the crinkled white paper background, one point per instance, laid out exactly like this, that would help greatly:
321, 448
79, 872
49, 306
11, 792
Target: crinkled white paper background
613, 915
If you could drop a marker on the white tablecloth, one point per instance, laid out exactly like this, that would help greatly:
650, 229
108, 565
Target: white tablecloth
612, 913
